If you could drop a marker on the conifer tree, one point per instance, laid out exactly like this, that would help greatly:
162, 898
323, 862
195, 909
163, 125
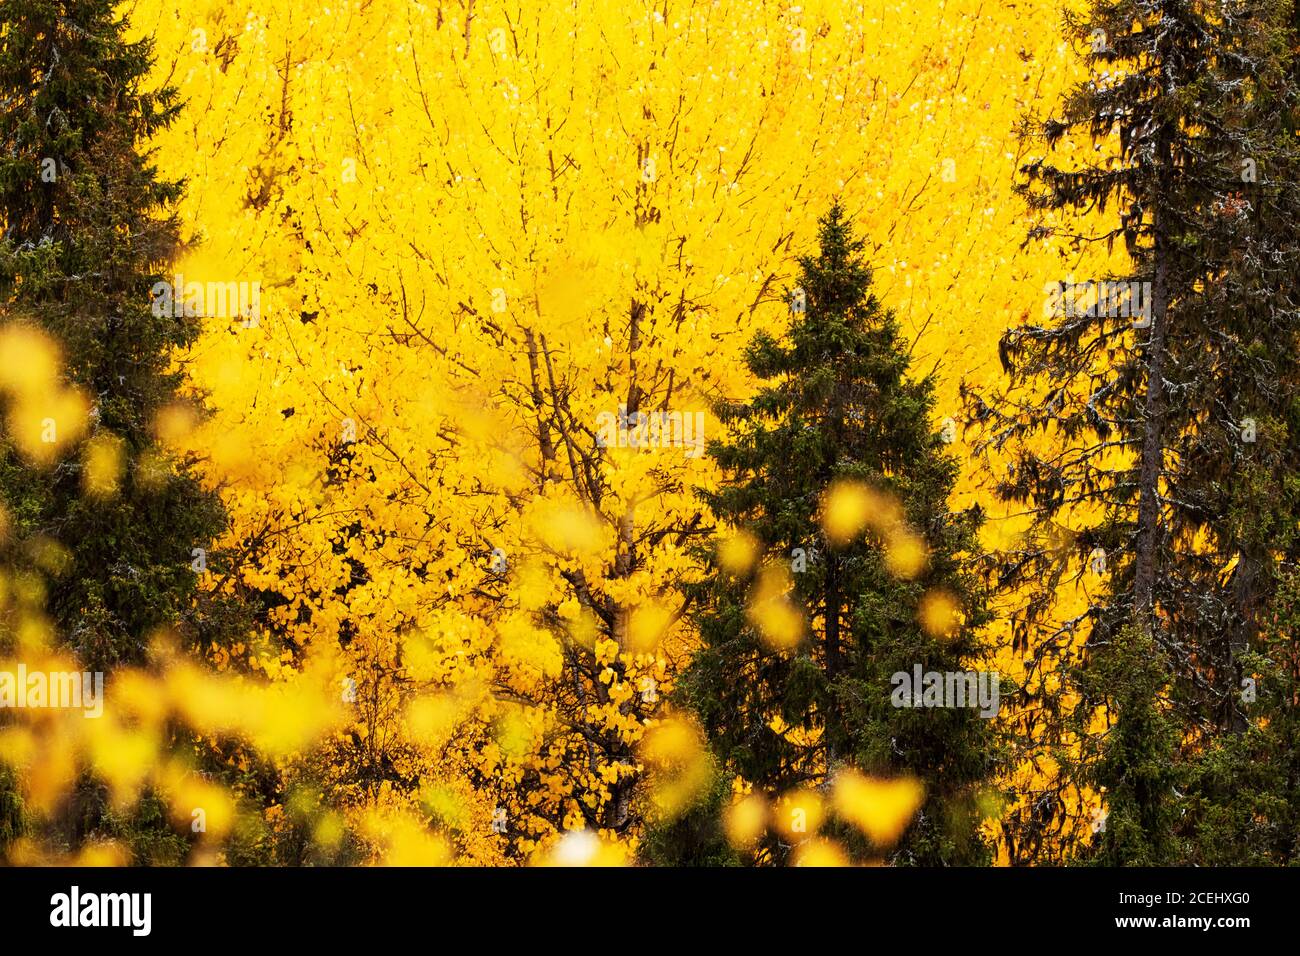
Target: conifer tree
836, 405
1144, 428
88, 233
1242, 787
1243, 791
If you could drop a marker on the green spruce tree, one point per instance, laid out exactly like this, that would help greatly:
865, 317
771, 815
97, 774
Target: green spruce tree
1242, 794
89, 230
1148, 435
837, 404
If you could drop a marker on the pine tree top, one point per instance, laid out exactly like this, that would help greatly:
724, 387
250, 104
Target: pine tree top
836, 392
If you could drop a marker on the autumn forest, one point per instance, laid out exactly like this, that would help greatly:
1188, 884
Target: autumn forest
659, 433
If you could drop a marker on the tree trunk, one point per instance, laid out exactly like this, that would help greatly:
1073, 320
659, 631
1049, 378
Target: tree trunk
1153, 415
832, 642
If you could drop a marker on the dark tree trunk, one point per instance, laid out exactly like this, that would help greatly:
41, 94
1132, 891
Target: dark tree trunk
1153, 417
